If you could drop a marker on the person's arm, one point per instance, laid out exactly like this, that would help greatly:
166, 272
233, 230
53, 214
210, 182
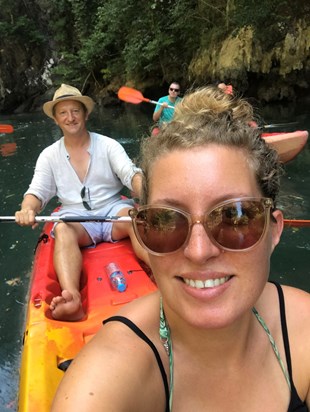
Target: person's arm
30, 207
123, 167
157, 113
136, 184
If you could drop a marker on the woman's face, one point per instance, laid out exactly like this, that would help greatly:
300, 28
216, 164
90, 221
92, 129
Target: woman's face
195, 181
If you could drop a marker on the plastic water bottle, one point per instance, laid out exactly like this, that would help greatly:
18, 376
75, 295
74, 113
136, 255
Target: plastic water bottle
116, 277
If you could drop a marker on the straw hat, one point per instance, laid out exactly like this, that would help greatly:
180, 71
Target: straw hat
66, 92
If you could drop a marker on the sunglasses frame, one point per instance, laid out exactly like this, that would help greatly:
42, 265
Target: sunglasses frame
174, 90
83, 193
267, 203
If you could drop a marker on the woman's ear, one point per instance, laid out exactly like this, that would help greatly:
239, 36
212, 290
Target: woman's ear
277, 224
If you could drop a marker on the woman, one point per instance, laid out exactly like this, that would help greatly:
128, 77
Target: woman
216, 327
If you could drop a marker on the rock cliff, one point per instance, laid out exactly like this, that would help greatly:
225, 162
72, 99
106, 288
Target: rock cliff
282, 72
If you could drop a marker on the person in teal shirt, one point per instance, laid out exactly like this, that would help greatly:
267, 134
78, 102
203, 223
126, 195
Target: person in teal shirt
162, 112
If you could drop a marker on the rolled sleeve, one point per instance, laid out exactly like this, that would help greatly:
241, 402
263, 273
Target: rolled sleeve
122, 165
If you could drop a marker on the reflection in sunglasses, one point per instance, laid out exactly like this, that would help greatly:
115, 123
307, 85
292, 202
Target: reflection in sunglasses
236, 224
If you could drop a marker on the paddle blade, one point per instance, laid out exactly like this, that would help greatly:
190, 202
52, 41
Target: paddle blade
129, 95
6, 128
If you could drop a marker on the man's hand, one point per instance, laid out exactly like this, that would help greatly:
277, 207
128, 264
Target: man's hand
26, 217
31, 205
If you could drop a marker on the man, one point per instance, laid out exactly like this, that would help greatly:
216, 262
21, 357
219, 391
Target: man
86, 171
162, 112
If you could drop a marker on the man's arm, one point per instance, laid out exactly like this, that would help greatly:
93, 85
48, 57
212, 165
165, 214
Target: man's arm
157, 113
136, 183
30, 206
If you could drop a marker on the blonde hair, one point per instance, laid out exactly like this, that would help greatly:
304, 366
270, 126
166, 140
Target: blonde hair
209, 116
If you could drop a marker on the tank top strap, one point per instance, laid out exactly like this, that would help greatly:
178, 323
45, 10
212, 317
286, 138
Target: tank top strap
142, 335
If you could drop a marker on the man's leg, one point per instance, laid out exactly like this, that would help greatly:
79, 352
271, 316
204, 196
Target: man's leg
68, 266
122, 230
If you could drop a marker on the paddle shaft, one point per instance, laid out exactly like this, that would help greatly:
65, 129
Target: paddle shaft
71, 219
275, 125
121, 219
161, 104
297, 222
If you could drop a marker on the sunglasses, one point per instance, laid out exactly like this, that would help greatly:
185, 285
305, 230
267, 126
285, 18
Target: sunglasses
174, 90
85, 200
233, 225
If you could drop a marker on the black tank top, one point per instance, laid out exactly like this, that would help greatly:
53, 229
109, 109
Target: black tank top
296, 404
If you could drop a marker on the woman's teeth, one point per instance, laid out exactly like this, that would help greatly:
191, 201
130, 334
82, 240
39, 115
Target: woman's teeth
209, 283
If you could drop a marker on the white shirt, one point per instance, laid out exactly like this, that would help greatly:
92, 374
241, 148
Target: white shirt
109, 170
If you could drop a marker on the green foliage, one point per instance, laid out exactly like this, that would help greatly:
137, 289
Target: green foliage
133, 40
23, 29
270, 19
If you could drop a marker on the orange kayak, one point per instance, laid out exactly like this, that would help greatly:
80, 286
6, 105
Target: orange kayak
49, 343
288, 145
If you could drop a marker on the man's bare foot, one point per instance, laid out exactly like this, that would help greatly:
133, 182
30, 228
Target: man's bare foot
67, 307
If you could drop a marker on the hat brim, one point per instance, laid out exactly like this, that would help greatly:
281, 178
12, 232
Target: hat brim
87, 101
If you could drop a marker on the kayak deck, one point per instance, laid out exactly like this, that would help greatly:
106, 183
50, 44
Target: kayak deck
48, 342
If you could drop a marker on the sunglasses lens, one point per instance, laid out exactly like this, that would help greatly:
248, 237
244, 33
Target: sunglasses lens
237, 225
83, 195
86, 205
161, 230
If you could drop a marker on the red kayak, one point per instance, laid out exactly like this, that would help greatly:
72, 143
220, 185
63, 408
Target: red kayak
49, 343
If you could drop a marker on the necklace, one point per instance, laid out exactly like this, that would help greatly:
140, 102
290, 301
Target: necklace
165, 337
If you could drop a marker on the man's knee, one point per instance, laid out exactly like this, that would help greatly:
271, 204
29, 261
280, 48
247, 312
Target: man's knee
63, 232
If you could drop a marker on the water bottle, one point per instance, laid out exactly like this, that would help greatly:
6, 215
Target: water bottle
116, 277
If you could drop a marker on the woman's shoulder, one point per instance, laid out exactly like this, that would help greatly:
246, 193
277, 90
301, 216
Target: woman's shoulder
297, 310
297, 301
289, 322
292, 295
118, 357
124, 329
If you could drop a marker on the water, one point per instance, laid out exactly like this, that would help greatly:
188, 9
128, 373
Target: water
290, 262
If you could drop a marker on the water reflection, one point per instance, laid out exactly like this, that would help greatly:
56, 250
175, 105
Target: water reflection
7, 144
8, 148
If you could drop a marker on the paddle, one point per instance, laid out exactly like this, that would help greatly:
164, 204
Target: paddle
275, 125
297, 222
6, 128
129, 95
72, 219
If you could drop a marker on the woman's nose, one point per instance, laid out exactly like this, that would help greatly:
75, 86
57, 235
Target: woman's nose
199, 246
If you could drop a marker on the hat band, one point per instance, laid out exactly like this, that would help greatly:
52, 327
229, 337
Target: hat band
67, 95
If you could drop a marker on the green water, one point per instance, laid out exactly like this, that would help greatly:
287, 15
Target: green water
290, 262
